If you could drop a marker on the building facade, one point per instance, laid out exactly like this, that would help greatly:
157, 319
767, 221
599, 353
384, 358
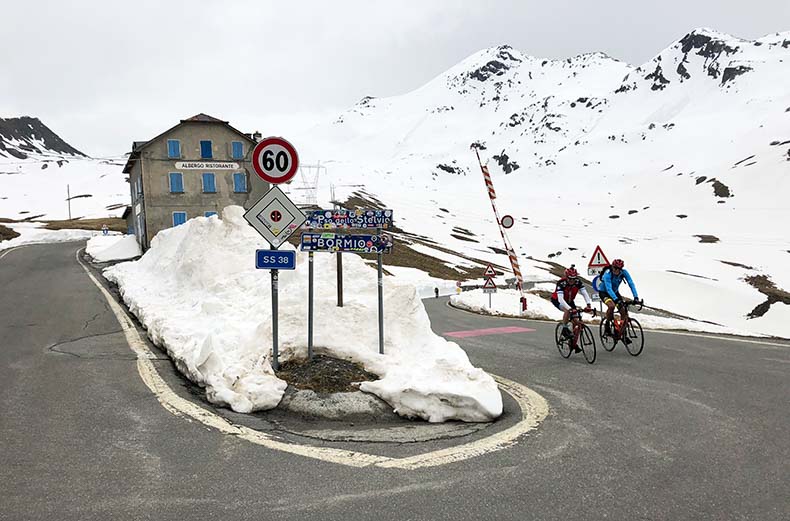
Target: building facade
194, 169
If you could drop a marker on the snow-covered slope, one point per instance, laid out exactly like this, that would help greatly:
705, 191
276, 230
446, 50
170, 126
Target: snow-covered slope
37, 166
680, 166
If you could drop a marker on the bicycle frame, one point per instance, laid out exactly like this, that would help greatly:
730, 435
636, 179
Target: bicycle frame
621, 323
576, 318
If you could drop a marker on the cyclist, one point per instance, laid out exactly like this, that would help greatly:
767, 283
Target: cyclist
608, 288
564, 296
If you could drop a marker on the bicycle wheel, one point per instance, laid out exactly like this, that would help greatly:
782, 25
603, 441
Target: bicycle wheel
634, 332
563, 345
607, 341
587, 343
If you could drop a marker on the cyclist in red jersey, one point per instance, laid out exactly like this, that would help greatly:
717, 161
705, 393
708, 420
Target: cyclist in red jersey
564, 296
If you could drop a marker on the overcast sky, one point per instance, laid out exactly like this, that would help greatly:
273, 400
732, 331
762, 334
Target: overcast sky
102, 73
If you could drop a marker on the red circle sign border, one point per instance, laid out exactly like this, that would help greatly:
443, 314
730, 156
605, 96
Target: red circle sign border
258, 150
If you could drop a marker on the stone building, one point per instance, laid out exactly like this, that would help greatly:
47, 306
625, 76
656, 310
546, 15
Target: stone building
194, 169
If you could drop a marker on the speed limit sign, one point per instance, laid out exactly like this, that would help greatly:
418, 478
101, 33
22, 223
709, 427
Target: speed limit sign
274, 160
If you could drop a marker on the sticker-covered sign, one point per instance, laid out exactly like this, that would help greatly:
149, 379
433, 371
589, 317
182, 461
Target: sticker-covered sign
352, 243
359, 218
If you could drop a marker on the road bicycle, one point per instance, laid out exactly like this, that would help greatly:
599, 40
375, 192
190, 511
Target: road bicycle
629, 332
581, 336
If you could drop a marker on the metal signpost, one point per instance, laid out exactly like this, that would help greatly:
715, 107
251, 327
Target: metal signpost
597, 263
275, 216
489, 286
379, 243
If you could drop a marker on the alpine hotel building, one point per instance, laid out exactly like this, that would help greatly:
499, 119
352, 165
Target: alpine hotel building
196, 168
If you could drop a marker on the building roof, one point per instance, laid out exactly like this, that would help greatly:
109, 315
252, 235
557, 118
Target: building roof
204, 118
138, 146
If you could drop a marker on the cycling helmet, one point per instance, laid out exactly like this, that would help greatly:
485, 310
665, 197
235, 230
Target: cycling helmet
571, 272
618, 263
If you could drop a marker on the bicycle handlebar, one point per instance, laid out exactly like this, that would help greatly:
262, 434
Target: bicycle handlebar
627, 303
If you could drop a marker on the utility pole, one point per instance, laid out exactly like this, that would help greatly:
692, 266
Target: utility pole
68, 198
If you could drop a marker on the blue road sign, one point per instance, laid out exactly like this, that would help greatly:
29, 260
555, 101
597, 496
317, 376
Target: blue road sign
353, 243
361, 218
275, 259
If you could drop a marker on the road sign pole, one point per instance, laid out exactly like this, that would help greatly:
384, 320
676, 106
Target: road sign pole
489, 301
310, 307
381, 300
275, 354
339, 279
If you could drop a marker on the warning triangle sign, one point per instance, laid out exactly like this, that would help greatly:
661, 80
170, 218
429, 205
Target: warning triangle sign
489, 272
598, 259
489, 284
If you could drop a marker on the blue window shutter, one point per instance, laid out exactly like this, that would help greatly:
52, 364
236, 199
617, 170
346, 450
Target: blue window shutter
179, 218
209, 214
176, 183
173, 148
238, 150
205, 150
209, 186
239, 182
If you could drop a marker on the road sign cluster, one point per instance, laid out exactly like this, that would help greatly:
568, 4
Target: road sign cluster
489, 286
276, 218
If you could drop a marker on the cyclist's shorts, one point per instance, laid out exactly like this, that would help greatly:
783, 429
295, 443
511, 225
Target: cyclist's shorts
605, 296
556, 303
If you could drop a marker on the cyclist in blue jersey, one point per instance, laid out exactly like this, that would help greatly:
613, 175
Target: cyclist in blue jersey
608, 284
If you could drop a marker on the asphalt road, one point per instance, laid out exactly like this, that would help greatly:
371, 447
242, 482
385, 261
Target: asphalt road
694, 428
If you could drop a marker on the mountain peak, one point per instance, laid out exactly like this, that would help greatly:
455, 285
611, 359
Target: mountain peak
26, 135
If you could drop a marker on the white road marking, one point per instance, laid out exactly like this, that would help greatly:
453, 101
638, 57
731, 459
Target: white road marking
9, 250
534, 409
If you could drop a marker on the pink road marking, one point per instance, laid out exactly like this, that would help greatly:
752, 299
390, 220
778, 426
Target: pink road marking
489, 331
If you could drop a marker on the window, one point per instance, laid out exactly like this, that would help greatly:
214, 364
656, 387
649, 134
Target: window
209, 186
176, 183
173, 148
239, 182
209, 214
179, 218
205, 150
238, 150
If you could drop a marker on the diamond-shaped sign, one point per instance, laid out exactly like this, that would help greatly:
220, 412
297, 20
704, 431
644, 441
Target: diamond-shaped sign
275, 217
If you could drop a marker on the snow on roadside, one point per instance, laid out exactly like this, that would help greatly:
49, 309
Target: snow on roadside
34, 233
200, 297
105, 248
505, 302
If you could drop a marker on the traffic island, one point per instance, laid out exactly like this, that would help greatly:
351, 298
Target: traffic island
327, 388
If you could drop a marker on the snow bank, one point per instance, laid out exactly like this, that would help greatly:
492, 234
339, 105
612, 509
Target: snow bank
33, 233
505, 303
200, 297
105, 248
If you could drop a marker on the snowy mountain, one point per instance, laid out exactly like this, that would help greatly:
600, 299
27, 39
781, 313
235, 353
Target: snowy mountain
39, 171
680, 166
20, 137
